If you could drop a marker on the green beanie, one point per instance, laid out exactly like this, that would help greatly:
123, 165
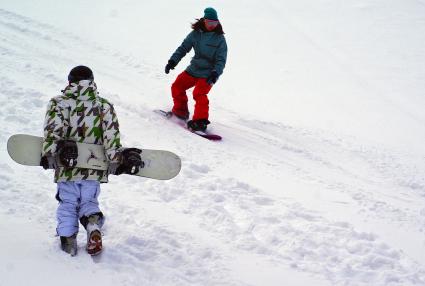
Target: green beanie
210, 14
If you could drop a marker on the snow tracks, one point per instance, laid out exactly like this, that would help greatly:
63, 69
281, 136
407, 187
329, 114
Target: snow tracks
270, 205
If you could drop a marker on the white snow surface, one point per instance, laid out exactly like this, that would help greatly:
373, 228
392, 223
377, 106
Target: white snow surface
319, 179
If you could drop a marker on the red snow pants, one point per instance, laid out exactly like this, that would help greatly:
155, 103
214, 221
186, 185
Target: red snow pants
183, 82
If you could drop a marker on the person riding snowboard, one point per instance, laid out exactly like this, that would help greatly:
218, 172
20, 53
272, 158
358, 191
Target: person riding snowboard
207, 40
79, 114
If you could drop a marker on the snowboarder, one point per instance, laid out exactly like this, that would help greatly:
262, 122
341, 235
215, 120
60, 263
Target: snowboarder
79, 114
207, 40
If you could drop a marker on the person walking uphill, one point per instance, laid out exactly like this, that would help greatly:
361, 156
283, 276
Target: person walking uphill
81, 115
207, 40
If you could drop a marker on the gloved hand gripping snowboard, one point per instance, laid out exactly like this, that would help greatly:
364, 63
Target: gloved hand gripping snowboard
131, 162
66, 154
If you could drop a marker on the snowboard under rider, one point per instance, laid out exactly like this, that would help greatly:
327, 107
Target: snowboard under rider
207, 40
79, 114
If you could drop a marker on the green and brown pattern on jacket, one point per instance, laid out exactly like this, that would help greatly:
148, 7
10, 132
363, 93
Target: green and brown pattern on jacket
80, 114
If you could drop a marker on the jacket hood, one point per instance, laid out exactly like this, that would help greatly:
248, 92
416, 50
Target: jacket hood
83, 90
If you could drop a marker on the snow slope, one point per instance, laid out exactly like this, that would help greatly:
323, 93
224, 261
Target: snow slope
320, 176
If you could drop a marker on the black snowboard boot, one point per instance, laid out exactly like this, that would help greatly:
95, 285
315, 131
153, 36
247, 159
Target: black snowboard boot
94, 236
198, 125
69, 244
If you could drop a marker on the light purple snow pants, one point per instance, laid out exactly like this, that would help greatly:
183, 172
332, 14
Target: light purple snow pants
76, 199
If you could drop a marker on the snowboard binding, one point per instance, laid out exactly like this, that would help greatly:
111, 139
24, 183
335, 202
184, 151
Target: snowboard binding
198, 125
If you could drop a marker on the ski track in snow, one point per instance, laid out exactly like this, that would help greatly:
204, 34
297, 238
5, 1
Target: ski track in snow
188, 230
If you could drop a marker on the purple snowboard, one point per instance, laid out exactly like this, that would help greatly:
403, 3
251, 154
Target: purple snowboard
182, 123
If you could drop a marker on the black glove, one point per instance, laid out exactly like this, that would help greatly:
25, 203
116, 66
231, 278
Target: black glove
170, 66
67, 153
212, 78
131, 162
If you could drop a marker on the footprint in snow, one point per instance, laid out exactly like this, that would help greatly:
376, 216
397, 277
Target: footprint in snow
195, 171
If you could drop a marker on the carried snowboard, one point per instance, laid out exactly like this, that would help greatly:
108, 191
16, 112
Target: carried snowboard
158, 164
183, 123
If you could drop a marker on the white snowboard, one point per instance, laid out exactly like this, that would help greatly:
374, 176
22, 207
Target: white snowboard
158, 164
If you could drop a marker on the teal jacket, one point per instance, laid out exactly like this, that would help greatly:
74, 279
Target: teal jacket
210, 53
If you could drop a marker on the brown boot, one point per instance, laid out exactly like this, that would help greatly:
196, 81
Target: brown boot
94, 236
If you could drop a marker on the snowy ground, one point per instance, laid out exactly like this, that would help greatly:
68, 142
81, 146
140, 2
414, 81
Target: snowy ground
319, 179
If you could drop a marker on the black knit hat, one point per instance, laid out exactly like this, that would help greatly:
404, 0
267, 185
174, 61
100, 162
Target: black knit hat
80, 73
